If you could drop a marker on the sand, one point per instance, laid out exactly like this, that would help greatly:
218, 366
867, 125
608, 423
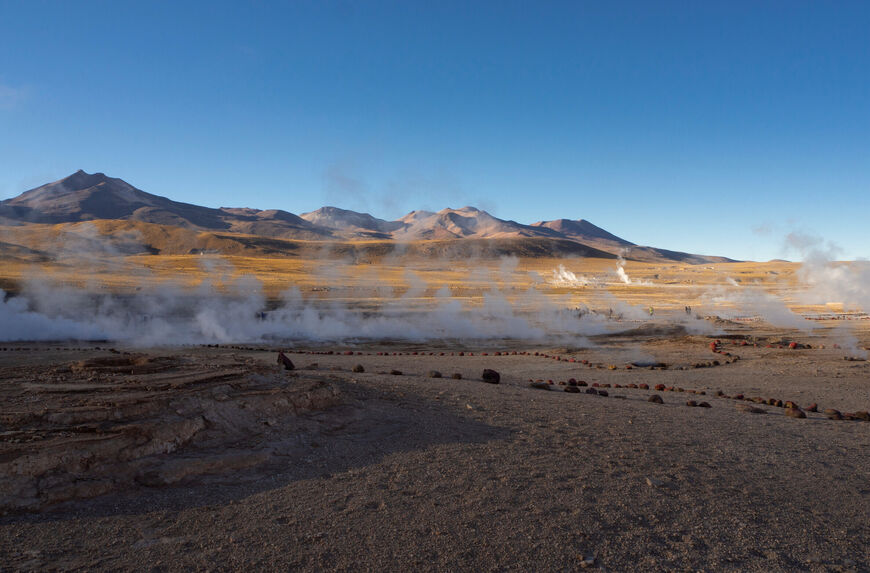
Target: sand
409, 472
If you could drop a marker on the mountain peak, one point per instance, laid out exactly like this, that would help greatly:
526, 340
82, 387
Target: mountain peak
82, 180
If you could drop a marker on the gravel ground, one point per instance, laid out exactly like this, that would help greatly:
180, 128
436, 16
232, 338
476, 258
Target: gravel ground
412, 472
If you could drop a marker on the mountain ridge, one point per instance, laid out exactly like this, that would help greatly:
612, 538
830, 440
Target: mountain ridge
84, 197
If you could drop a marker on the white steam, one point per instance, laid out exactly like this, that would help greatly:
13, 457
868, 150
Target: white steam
564, 277
623, 276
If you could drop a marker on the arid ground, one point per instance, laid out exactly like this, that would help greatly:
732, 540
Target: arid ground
397, 455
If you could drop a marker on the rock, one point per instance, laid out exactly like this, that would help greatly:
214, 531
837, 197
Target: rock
862, 415
795, 413
572, 389
603, 393
750, 409
791, 405
541, 386
660, 387
396, 372
643, 386
457, 376
691, 403
286, 362
655, 399
833, 414
591, 391
704, 405
359, 368
813, 407
490, 376
434, 374
582, 383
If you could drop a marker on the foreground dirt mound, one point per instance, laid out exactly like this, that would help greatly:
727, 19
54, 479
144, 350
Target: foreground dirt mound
93, 426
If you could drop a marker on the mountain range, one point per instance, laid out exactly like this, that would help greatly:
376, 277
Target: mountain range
83, 197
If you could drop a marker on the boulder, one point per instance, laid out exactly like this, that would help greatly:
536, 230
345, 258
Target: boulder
286, 362
490, 376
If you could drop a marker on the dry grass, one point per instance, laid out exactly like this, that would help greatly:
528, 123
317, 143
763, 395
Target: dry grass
671, 285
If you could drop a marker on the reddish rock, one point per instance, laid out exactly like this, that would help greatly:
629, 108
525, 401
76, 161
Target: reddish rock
795, 413
691, 403
655, 399
833, 414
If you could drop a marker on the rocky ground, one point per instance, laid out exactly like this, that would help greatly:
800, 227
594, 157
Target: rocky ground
219, 458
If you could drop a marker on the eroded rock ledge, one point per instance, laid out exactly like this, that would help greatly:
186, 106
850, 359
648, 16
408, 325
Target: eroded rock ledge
90, 427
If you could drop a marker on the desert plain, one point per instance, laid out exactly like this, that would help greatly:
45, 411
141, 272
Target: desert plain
386, 449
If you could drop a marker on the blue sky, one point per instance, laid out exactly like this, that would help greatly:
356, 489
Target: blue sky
712, 127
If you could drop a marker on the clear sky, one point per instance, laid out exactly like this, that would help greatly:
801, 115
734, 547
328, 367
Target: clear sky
712, 127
